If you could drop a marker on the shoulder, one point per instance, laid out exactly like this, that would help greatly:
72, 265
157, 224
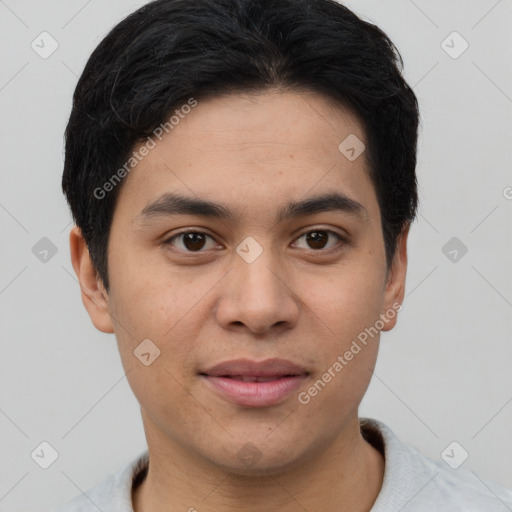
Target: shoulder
415, 483
113, 494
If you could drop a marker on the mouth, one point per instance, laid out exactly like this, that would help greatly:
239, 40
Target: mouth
255, 384
268, 368
253, 378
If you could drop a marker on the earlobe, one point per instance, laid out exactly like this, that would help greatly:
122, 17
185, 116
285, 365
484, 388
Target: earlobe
94, 295
395, 285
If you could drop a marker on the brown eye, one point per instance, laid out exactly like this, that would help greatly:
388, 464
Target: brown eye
190, 241
319, 239
193, 241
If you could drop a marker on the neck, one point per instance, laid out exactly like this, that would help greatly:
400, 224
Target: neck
344, 476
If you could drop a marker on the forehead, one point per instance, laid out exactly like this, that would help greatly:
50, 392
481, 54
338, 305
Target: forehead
253, 151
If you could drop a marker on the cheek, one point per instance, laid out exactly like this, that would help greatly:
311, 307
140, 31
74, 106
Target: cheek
155, 338
348, 300
150, 296
346, 308
164, 305
347, 343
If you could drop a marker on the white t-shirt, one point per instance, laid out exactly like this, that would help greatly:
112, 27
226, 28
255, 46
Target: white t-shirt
412, 483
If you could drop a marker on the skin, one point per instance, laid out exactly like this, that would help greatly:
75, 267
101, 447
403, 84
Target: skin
296, 301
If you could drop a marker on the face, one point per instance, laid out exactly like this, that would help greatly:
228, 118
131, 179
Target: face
290, 264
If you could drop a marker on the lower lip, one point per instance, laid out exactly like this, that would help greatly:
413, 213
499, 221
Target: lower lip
256, 394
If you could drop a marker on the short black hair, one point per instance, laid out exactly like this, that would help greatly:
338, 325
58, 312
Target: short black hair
169, 51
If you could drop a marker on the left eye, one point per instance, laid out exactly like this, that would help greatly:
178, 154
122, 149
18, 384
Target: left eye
195, 241
318, 239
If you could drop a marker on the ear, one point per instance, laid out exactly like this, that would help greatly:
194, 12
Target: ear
94, 295
395, 282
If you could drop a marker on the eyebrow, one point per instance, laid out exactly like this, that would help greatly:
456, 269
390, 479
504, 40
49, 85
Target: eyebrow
170, 204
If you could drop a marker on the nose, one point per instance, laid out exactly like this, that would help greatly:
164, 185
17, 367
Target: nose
258, 296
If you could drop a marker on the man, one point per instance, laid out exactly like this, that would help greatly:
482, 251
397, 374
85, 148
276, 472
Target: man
242, 178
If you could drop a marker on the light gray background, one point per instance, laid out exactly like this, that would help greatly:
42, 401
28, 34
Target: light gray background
443, 373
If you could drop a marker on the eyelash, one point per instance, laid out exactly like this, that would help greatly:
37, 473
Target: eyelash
341, 240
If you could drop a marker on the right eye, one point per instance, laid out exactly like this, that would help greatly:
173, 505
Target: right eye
190, 241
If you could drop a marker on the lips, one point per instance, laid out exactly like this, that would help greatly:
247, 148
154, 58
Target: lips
250, 378
254, 371
255, 384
